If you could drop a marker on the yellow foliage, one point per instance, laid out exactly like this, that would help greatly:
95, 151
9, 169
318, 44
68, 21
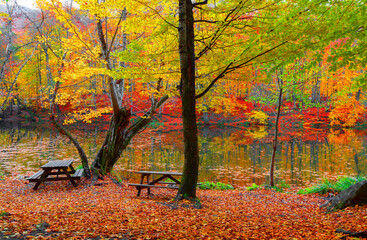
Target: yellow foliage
259, 117
86, 115
258, 133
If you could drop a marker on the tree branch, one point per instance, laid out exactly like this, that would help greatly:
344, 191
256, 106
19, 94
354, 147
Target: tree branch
230, 68
102, 41
200, 3
144, 4
218, 32
117, 28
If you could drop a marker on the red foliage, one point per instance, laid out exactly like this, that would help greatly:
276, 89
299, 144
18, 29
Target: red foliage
110, 211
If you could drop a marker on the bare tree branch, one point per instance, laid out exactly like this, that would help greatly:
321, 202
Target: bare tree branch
231, 67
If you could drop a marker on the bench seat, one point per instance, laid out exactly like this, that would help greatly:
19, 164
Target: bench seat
78, 173
137, 185
35, 176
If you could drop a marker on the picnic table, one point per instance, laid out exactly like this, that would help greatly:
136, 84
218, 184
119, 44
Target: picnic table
157, 183
56, 171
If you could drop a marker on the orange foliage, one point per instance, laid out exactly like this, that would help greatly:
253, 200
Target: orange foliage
108, 210
347, 113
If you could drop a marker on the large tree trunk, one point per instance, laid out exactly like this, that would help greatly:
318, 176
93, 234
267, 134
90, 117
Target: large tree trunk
114, 144
354, 195
119, 136
187, 64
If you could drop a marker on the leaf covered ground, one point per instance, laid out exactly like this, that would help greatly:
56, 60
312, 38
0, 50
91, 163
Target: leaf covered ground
59, 211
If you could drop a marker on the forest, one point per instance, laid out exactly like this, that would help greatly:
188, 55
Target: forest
295, 71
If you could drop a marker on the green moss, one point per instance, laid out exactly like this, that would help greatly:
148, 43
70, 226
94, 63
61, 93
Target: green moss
217, 185
279, 188
283, 185
4, 214
326, 185
253, 187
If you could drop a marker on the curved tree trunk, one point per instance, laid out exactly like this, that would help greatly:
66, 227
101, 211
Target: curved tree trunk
80, 150
114, 142
119, 136
120, 131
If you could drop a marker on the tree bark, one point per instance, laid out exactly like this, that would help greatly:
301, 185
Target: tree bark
275, 141
119, 133
187, 66
119, 136
354, 195
113, 145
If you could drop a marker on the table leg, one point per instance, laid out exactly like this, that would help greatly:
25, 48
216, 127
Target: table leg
148, 176
65, 170
45, 174
72, 169
141, 182
174, 179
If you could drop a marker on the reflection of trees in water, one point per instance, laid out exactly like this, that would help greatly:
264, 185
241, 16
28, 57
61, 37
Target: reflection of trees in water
360, 158
225, 153
30, 146
220, 155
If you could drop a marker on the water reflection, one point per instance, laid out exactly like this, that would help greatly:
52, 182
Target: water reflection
236, 155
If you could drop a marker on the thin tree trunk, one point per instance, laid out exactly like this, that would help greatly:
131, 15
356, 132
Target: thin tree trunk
275, 141
53, 105
63, 131
10, 89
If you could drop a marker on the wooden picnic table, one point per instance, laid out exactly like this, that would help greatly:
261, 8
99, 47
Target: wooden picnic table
52, 170
159, 181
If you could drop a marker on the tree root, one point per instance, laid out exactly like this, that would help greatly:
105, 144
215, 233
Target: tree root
115, 181
351, 234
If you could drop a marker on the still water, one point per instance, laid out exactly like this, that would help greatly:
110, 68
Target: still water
239, 156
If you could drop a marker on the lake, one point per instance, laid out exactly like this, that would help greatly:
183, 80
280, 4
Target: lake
236, 155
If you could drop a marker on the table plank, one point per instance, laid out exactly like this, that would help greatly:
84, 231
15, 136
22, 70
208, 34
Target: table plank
160, 173
36, 175
149, 186
58, 163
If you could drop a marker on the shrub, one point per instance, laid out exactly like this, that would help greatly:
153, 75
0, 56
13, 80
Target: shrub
218, 185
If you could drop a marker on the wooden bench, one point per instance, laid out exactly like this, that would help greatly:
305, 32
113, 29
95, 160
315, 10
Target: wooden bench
62, 167
174, 184
78, 173
35, 176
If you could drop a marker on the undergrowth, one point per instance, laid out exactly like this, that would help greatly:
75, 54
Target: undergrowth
329, 186
3, 214
279, 188
79, 167
254, 186
217, 185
